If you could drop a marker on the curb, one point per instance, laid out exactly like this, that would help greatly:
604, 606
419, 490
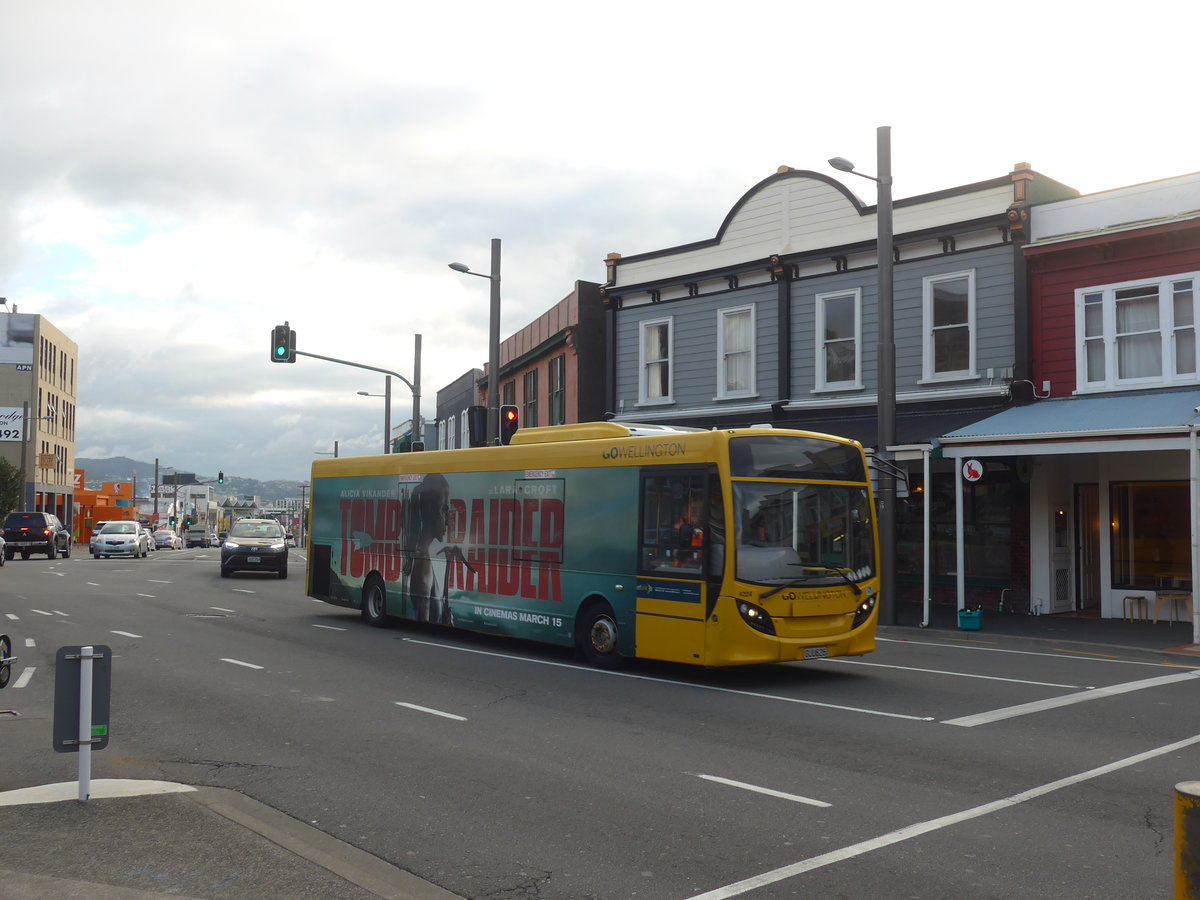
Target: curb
356, 866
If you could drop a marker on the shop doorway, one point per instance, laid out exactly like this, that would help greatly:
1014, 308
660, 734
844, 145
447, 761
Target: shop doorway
1087, 548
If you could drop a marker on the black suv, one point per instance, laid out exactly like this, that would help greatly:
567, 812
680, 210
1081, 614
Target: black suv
35, 532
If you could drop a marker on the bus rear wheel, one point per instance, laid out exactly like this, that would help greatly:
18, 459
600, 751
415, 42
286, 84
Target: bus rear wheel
597, 636
374, 602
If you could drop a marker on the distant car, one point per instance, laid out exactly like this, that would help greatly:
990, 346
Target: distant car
165, 539
122, 539
291, 540
149, 538
255, 545
95, 536
35, 532
195, 536
213, 540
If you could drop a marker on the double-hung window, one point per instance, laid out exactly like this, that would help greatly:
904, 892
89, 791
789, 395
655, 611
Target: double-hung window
839, 335
948, 314
1136, 333
735, 352
654, 362
558, 390
530, 389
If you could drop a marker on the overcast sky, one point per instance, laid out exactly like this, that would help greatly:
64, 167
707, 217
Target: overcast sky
176, 178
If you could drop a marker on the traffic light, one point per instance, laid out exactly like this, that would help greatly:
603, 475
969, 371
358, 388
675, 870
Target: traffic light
220, 478
477, 426
509, 423
172, 521
283, 344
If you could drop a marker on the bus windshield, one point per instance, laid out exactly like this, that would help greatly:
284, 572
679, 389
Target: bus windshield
803, 534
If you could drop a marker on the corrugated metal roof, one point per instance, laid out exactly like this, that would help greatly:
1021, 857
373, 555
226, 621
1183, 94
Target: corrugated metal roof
1115, 414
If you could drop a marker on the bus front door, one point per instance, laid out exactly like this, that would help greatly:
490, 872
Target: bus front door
670, 619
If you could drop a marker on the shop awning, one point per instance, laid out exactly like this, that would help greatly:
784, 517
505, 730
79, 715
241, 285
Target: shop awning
1142, 420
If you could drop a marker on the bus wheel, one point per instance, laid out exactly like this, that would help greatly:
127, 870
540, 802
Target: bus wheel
374, 602
597, 636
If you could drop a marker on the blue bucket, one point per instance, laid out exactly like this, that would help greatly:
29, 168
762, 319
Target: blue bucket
970, 619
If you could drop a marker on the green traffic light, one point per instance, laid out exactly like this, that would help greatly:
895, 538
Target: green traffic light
281, 352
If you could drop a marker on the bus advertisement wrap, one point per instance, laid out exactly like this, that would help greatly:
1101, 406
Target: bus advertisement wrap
708, 548
478, 550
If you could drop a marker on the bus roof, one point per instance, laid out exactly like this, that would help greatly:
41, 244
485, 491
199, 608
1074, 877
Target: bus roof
590, 431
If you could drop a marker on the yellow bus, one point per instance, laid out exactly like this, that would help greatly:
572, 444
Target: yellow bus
714, 548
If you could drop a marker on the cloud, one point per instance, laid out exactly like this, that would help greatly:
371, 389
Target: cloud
177, 178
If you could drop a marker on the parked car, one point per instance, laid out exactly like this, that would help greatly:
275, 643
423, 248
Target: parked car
122, 539
255, 545
35, 532
165, 539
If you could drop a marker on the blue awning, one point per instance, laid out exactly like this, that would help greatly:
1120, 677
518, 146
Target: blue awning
1131, 416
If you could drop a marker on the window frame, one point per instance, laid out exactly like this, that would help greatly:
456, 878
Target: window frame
1167, 330
929, 283
821, 380
723, 392
529, 399
643, 363
556, 385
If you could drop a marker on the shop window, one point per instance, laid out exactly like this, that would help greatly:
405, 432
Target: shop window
987, 526
1151, 535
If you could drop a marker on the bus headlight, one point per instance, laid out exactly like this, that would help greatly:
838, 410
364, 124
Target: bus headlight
756, 617
864, 610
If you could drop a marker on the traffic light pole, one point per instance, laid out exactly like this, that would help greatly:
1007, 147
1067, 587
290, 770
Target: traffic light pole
414, 385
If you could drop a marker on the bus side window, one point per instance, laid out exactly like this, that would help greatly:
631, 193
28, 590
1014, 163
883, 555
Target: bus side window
674, 523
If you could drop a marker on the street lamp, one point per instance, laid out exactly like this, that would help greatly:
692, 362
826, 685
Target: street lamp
29, 485
886, 363
387, 411
493, 401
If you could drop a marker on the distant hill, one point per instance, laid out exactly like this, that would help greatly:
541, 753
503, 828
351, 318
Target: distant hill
122, 468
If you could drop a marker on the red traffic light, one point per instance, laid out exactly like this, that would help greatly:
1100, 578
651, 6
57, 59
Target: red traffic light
509, 423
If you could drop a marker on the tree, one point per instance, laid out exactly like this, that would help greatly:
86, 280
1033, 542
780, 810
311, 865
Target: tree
12, 485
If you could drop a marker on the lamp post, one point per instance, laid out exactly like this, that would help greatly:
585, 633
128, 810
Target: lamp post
28, 484
493, 402
886, 364
303, 511
387, 411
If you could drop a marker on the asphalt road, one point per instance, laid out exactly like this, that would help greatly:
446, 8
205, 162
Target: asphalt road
929, 769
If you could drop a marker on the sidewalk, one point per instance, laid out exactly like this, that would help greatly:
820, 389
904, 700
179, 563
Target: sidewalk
142, 840
173, 840
1082, 630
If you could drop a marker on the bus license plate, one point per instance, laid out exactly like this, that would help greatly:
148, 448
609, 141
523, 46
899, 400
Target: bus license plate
816, 652
251, 559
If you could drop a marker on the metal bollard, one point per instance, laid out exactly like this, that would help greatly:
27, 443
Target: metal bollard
1187, 840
